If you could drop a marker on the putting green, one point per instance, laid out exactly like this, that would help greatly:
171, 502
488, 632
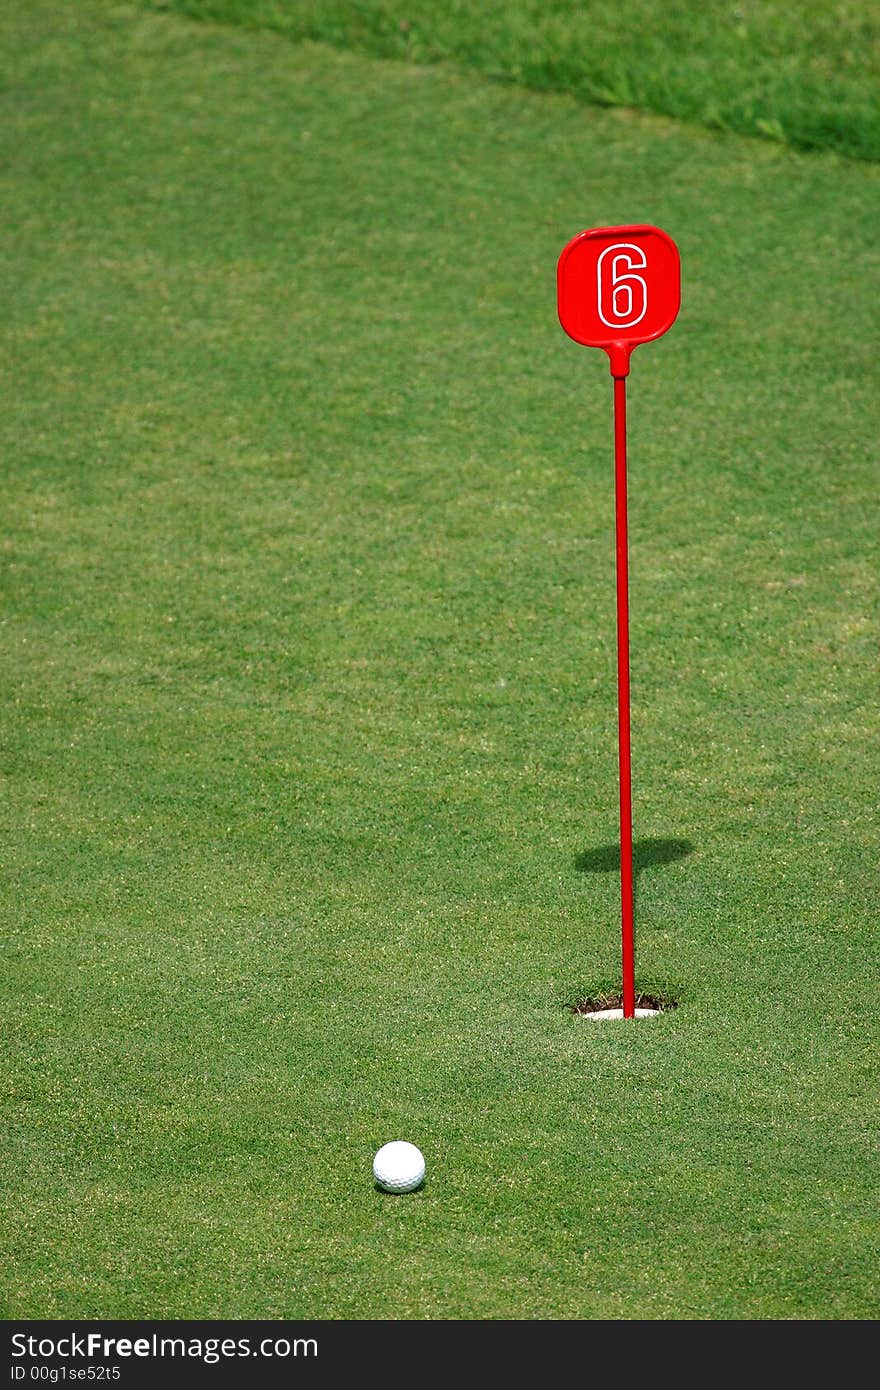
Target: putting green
309, 764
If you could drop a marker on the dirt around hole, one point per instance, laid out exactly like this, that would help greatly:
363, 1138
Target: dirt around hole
598, 1002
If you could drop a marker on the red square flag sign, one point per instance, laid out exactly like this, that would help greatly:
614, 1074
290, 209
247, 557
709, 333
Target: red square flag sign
618, 287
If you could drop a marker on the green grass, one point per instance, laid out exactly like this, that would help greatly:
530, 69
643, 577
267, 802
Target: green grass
804, 74
308, 723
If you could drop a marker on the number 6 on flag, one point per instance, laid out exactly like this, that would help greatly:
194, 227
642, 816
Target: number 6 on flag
609, 286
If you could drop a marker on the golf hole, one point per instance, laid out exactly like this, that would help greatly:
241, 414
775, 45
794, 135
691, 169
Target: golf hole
609, 1007
611, 1014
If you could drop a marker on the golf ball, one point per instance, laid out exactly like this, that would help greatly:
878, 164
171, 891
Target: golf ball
399, 1166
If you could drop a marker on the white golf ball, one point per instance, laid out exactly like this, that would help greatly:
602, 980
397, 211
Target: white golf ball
399, 1166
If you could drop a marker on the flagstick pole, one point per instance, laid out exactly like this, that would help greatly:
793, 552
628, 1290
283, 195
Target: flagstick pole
623, 700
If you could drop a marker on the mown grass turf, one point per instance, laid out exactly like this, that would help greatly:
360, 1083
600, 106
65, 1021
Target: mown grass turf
804, 74
308, 701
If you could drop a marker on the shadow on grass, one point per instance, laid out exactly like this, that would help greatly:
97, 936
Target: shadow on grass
646, 853
605, 859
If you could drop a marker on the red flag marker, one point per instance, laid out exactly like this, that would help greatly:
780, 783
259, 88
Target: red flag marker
618, 287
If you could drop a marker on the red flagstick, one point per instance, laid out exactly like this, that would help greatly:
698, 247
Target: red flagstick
624, 746
618, 287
